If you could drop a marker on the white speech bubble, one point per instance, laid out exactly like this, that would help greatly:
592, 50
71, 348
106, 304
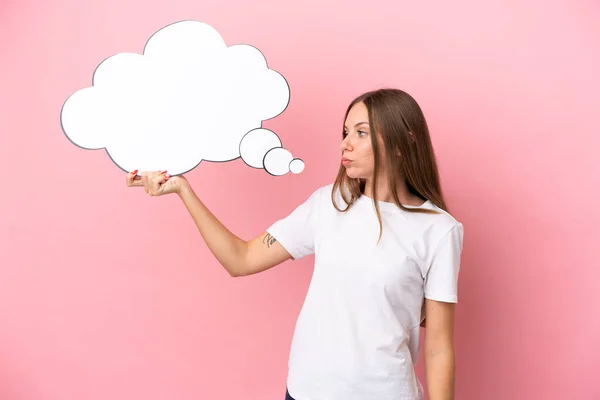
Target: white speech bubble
187, 98
255, 144
296, 166
277, 161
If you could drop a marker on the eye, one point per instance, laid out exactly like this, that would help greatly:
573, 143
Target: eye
362, 133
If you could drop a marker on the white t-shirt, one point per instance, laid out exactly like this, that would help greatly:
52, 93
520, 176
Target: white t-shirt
357, 335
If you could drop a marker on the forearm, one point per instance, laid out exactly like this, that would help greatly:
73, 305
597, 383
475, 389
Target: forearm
224, 245
440, 371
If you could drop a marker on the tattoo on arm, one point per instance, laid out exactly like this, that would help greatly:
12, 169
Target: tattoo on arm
269, 240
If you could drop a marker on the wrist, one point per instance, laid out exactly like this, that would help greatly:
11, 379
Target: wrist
184, 188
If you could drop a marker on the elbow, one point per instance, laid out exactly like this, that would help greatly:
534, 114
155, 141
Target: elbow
236, 271
238, 265
233, 272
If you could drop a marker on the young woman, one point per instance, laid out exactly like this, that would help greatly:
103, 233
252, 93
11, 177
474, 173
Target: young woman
387, 255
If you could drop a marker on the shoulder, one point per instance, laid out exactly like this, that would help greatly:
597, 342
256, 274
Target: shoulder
442, 218
327, 199
317, 198
323, 192
326, 189
439, 225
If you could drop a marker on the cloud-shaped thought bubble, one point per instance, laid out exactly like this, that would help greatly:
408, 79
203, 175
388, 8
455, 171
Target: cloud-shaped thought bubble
189, 97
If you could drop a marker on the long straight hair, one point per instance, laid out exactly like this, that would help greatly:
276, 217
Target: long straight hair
399, 121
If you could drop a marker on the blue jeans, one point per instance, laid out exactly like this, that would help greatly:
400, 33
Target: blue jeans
287, 395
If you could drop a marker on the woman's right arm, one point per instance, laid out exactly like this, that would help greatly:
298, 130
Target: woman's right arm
237, 256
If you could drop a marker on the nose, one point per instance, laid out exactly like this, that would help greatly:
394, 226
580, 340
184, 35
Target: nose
346, 145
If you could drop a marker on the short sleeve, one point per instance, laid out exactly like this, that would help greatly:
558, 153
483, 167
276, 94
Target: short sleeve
296, 232
441, 280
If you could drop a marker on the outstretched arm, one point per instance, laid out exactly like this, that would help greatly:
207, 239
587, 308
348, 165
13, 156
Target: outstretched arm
237, 256
439, 349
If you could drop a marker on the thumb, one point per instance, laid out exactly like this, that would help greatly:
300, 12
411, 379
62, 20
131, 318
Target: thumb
162, 182
131, 179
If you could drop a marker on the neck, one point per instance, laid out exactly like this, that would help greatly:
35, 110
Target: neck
384, 194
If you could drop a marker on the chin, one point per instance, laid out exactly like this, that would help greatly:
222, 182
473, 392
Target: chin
353, 174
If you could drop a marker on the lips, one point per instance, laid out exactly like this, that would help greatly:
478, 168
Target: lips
346, 161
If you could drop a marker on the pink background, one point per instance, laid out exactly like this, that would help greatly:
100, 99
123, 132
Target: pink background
106, 293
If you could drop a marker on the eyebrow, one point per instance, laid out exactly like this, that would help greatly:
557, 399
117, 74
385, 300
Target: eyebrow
358, 124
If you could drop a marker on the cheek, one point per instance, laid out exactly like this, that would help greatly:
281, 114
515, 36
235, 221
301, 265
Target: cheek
366, 153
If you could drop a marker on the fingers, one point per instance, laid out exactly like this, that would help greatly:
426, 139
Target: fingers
132, 179
145, 182
156, 180
152, 182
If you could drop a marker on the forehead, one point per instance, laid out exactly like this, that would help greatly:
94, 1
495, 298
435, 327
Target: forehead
358, 113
